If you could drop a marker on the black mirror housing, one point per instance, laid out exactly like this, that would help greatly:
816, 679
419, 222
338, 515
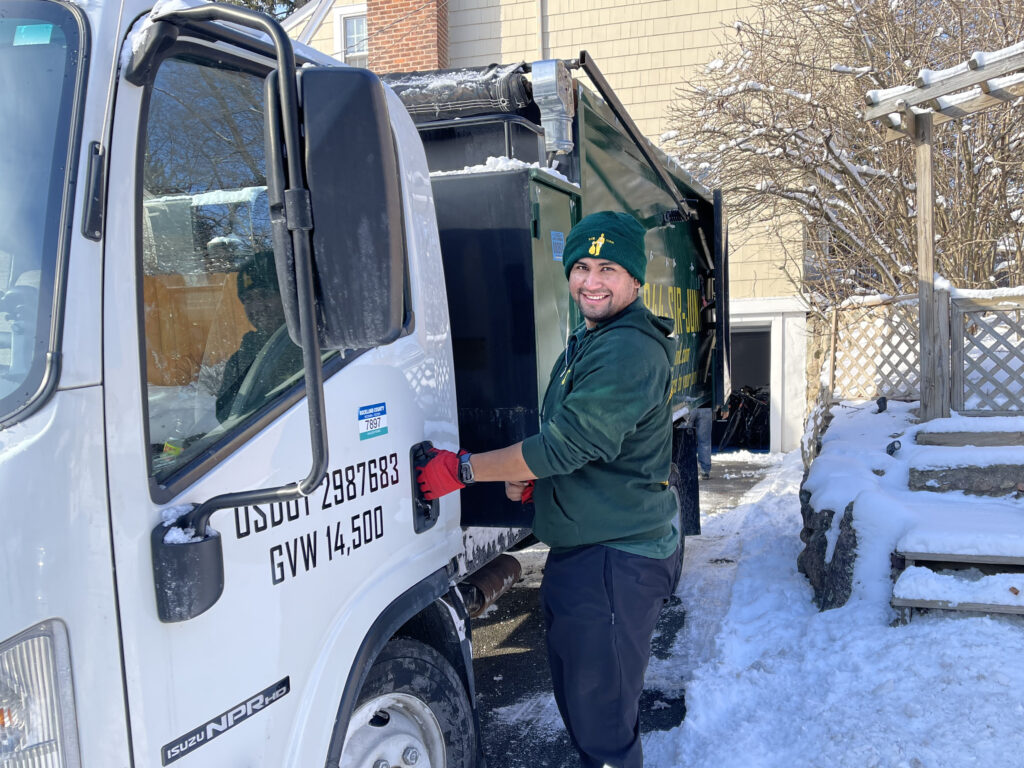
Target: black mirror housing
355, 195
188, 576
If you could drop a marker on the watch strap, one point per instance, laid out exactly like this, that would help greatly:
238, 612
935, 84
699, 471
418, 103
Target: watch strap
466, 469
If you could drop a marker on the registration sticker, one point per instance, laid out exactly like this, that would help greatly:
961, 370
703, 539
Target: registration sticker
33, 34
373, 420
557, 244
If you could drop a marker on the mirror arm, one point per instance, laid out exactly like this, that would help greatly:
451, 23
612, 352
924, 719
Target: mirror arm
299, 218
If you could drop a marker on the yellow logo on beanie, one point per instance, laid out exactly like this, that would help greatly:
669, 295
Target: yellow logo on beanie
596, 243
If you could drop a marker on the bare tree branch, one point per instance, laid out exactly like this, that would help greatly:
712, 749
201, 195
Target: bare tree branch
776, 122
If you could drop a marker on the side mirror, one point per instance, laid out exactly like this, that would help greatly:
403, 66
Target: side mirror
188, 574
355, 208
342, 184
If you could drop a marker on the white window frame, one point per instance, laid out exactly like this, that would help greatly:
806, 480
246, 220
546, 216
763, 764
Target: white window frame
339, 14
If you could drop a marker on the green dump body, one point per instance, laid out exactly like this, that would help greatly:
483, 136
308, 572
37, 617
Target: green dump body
680, 269
503, 219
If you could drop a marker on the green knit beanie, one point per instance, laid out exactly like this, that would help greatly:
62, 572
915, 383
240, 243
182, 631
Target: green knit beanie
608, 235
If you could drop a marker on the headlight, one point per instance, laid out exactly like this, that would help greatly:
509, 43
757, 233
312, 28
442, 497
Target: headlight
37, 714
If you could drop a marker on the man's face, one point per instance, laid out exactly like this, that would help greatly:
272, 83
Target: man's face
601, 289
264, 310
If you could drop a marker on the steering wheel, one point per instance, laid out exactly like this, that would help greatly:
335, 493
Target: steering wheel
258, 383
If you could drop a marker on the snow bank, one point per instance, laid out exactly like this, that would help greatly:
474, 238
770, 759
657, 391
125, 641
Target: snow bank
775, 683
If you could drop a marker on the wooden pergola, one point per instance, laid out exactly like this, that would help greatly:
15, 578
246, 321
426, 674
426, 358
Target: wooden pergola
984, 81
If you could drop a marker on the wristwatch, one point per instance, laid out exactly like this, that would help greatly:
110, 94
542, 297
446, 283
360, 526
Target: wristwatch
466, 469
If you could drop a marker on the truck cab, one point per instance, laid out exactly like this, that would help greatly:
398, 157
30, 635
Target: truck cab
147, 365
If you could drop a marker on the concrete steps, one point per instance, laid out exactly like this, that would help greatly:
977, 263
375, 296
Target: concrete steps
980, 463
966, 552
961, 439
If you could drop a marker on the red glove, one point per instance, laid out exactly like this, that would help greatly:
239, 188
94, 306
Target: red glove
440, 475
527, 497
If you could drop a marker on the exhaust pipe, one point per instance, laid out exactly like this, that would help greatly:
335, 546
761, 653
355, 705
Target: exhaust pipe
481, 588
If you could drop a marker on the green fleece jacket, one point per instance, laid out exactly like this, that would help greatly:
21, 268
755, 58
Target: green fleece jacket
604, 449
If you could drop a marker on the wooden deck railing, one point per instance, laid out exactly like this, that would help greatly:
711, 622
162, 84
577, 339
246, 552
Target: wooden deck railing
977, 343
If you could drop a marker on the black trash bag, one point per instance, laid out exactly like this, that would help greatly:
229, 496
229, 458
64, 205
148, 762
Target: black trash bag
444, 94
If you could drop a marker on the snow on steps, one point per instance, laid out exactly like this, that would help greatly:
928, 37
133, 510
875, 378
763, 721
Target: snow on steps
961, 439
961, 590
993, 466
973, 562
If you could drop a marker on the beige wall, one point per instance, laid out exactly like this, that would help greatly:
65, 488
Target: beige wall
760, 264
644, 49
323, 38
475, 31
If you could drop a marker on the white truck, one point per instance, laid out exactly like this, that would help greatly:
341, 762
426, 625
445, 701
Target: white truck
220, 254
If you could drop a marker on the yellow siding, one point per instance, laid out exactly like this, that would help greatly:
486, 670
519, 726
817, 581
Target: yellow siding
474, 32
323, 38
763, 260
643, 48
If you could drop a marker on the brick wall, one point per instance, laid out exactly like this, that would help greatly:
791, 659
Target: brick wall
407, 35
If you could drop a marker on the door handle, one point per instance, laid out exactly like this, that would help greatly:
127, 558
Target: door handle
424, 513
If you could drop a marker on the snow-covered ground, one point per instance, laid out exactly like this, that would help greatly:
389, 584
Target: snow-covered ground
771, 681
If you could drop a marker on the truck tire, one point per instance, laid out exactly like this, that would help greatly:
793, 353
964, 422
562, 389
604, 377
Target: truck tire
412, 709
674, 485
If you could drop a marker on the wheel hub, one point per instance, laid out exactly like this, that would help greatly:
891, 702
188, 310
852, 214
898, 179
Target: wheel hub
397, 728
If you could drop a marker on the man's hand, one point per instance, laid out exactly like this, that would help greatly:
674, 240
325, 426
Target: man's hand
439, 476
519, 490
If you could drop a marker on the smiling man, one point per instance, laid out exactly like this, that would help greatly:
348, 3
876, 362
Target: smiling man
598, 474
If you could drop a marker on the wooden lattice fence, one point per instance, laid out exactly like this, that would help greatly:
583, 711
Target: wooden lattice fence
988, 367
876, 352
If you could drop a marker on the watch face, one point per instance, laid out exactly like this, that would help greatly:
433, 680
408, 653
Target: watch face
465, 472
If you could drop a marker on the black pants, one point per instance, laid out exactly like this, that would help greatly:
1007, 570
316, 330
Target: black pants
600, 608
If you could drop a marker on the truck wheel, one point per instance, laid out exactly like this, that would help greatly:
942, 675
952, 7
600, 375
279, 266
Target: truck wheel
412, 710
674, 484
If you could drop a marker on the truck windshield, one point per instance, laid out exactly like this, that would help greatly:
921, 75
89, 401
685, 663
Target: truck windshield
39, 59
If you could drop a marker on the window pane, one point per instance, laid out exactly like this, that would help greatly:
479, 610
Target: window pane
355, 39
217, 349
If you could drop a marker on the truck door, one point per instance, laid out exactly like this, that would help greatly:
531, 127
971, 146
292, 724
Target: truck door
204, 395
